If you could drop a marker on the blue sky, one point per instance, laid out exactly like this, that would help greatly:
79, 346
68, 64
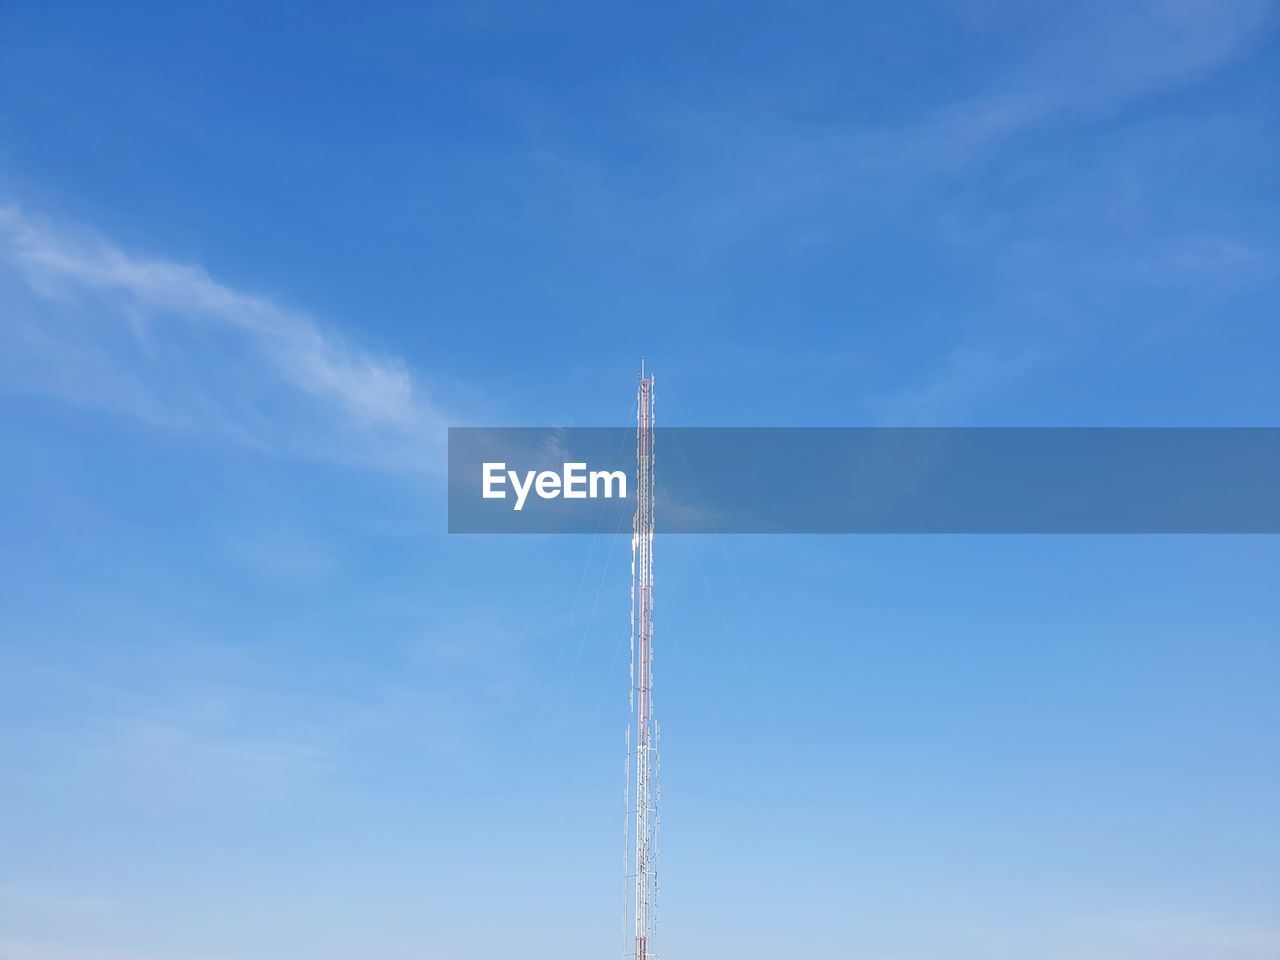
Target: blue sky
255, 703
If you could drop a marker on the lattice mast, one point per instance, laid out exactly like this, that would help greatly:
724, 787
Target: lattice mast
642, 834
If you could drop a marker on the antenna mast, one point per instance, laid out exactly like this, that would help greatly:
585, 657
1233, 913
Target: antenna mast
642, 827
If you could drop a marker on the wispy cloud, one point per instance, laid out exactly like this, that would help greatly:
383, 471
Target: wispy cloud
1173, 936
166, 342
67, 903
32, 950
966, 379
739, 161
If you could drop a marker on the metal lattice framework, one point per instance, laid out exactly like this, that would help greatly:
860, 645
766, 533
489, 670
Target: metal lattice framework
641, 912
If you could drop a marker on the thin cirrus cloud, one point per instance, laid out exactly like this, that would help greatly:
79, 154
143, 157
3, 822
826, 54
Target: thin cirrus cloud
748, 160
166, 343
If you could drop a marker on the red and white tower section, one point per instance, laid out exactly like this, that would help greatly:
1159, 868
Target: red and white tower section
642, 818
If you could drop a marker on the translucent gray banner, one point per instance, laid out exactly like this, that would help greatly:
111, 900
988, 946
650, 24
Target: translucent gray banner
870, 480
